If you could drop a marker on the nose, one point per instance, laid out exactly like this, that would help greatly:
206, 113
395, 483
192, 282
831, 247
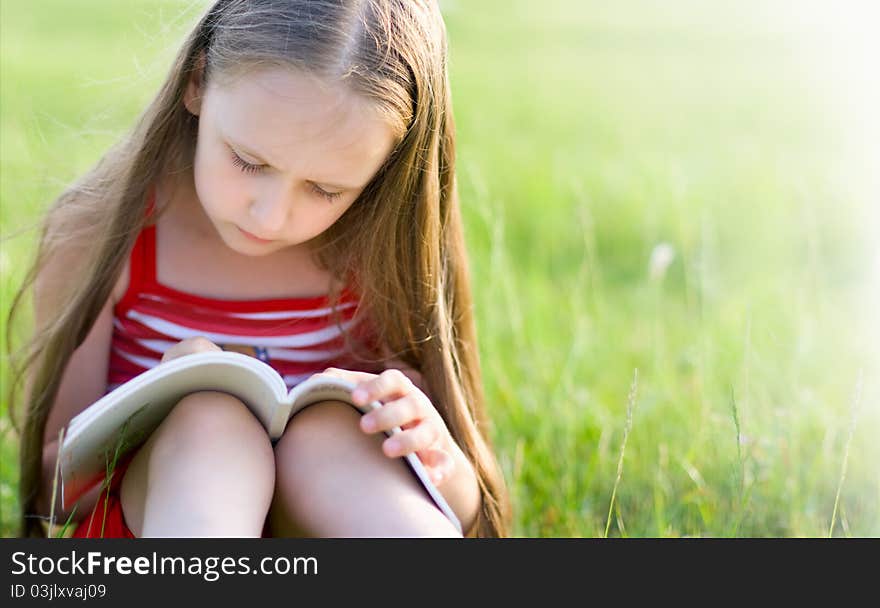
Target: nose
269, 212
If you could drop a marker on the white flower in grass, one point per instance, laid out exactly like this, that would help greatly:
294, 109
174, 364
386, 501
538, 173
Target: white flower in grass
661, 257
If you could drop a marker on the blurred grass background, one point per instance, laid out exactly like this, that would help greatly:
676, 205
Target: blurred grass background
741, 138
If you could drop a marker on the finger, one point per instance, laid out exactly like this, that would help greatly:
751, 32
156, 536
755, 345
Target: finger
412, 373
348, 374
439, 463
353, 377
400, 412
197, 344
420, 437
390, 384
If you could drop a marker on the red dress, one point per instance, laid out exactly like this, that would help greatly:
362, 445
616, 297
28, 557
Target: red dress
107, 513
297, 337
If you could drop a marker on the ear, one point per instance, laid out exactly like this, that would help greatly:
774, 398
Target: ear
192, 96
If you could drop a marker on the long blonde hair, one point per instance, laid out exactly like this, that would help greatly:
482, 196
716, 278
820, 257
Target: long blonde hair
402, 240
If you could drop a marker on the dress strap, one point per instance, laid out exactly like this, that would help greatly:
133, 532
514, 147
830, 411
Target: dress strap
148, 257
142, 261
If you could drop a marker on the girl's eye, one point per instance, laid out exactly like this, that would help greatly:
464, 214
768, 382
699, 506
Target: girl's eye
245, 166
330, 196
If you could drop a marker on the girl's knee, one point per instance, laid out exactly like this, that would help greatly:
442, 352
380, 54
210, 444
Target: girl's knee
208, 440
207, 420
215, 413
333, 479
328, 429
324, 420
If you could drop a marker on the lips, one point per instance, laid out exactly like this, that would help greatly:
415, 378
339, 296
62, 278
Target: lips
254, 237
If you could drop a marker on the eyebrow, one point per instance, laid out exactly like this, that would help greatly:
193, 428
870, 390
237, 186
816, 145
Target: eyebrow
262, 159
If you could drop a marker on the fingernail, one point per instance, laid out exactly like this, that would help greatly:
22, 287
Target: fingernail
392, 445
359, 395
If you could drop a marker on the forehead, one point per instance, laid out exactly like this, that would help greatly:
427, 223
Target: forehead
292, 117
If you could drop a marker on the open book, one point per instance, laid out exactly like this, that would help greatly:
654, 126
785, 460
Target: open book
124, 418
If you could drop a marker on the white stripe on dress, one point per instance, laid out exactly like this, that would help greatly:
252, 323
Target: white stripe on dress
138, 360
157, 346
179, 332
281, 314
303, 356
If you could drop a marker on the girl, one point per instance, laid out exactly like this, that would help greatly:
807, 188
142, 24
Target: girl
290, 192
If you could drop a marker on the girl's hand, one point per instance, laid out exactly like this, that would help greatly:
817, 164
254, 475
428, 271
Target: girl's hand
189, 347
404, 405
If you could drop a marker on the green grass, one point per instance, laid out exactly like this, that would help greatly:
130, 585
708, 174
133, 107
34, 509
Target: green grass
589, 134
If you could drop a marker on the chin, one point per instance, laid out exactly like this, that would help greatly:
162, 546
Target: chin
238, 242
255, 250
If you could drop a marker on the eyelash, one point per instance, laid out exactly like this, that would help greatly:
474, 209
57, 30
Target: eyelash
252, 169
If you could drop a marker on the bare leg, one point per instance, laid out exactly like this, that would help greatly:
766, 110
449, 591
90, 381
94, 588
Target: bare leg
332, 480
207, 470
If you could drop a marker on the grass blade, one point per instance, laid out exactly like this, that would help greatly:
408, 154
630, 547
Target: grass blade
854, 412
631, 401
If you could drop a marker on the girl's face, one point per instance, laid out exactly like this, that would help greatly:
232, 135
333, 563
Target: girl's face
281, 156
